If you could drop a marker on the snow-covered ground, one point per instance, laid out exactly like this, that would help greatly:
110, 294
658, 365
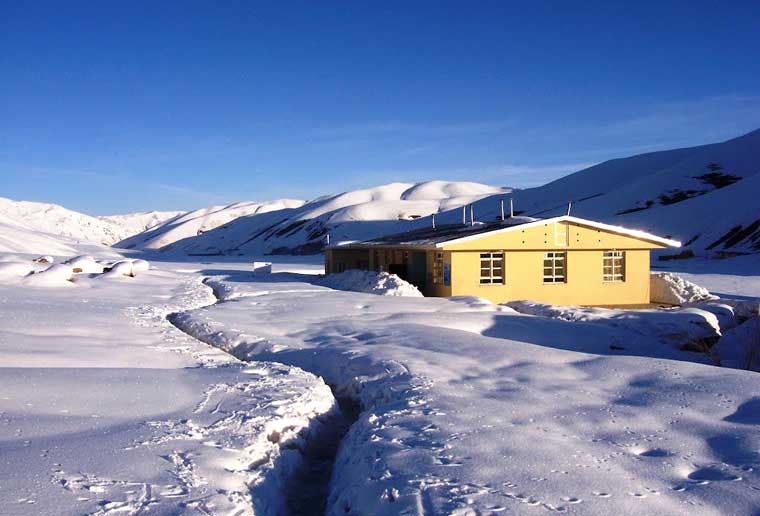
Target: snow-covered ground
737, 277
106, 408
465, 407
472, 408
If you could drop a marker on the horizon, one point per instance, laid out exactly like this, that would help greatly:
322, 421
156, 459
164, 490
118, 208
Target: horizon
119, 109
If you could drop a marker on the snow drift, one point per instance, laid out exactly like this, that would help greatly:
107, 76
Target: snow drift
740, 347
381, 283
671, 289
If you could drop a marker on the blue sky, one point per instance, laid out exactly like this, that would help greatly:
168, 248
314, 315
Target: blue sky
109, 107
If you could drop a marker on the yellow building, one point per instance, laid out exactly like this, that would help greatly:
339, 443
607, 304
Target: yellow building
562, 260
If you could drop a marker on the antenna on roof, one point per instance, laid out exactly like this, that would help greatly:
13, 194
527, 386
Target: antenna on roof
511, 208
502, 209
464, 215
472, 215
433, 220
569, 206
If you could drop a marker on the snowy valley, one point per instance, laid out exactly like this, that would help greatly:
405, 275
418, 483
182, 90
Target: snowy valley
164, 375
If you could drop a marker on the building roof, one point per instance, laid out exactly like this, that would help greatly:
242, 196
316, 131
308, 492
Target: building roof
448, 234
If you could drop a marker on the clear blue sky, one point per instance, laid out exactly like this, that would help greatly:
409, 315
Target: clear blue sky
112, 107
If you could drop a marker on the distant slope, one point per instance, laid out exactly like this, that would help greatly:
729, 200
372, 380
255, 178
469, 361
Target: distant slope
302, 229
708, 196
134, 223
194, 223
18, 237
57, 220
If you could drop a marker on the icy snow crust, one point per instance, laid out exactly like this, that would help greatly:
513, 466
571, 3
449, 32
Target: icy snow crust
472, 408
106, 408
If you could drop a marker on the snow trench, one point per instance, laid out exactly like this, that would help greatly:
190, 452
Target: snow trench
368, 391
303, 484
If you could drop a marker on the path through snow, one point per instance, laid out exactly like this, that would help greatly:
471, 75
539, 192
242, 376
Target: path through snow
472, 408
106, 408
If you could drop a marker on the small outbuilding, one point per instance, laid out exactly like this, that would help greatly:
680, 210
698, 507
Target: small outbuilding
562, 260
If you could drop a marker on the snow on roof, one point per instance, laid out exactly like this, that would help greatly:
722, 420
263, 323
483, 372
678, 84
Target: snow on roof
442, 236
635, 233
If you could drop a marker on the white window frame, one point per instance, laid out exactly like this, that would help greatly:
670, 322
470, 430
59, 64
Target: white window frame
556, 271
487, 268
613, 266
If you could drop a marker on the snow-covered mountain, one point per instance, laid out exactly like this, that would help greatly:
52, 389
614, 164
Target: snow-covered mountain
194, 223
53, 219
134, 223
18, 237
302, 228
708, 197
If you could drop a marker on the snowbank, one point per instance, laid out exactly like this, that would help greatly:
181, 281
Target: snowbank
11, 270
85, 264
41, 274
671, 289
122, 268
140, 265
57, 275
740, 347
684, 328
381, 283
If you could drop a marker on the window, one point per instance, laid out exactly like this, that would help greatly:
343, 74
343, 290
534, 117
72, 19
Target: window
613, 266
554, 267
491, 268
438, 268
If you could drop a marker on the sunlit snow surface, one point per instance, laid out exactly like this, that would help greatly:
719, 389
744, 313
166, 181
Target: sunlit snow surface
106, 408
473, 408
469, 407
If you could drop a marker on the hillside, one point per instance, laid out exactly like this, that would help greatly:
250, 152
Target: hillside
301, 229
16, 237
706, 196
134, 223
56, 220
195, 223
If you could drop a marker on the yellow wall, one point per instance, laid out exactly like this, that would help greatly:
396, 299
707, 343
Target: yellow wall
583, 286
524, 254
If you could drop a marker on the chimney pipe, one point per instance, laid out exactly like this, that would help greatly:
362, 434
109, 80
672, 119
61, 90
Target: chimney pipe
511, 208
569, 206
433, 220
464, 215
472, 215
502, 209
